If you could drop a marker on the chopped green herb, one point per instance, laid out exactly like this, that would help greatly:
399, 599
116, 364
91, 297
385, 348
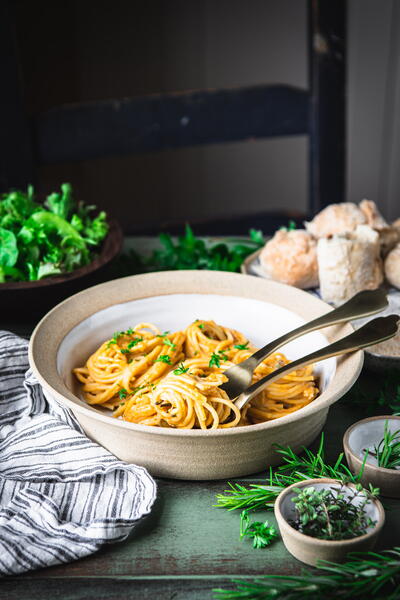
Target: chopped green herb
169, 343
134, 342
124, 351
162, 335
114, 339
201, 326
262, 533
190, 252
122, 393
216, 357
136, 389
164, 358
181, 369
242, 346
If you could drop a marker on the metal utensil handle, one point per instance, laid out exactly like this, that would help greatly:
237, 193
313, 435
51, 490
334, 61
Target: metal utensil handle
363, 304
375, 331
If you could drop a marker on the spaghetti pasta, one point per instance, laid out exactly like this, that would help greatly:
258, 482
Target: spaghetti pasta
172, 379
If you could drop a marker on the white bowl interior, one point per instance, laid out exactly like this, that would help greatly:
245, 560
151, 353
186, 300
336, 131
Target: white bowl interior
369, 434
261, 322
287, 506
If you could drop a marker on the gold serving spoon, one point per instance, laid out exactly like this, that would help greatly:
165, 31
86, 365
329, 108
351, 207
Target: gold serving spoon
375, 331
362, 304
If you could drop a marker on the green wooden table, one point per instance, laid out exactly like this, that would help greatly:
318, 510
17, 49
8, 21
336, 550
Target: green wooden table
185, 547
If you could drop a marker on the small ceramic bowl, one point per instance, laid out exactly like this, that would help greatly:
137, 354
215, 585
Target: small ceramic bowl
367, 434
309, 549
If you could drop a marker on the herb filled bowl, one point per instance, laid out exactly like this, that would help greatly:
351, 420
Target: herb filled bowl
325, 519
261, 310
50, 251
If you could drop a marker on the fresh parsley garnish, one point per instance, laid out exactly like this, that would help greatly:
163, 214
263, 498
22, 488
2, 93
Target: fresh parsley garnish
162, 335
181, 369
242, 346
164, 358
201, 326
190, 252
216, 357
262, 533
134, 342
124, 351
169, 343
122, 393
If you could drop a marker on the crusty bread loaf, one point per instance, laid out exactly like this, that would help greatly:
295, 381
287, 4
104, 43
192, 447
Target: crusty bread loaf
388, 234
291, 257
349, 263
336, 219
392, 266
372, 214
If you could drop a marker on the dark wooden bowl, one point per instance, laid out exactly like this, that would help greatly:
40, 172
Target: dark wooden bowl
25, 300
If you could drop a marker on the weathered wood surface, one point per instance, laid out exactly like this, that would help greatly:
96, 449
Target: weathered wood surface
185, 548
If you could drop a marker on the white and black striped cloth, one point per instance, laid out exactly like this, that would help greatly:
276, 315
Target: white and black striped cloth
61, 496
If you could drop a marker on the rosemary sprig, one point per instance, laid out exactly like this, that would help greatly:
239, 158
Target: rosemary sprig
295, 469
364, 575
387, 452
263, 534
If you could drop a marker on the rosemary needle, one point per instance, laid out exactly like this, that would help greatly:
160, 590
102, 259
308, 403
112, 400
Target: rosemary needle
294, 469
364, 575
387, 452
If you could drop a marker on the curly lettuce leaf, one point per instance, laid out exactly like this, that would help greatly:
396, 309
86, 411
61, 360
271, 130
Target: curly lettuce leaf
37, 242
8, 248
61, 204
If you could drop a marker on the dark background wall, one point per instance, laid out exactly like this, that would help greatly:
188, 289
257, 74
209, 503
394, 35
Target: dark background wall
80, 51
74, 51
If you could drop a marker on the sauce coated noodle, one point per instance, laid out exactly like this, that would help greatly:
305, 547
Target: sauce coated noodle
172, 379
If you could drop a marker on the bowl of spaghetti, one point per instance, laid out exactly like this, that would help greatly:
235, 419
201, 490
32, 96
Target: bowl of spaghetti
139, 361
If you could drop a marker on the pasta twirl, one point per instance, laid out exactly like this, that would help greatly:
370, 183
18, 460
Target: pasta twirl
172, 379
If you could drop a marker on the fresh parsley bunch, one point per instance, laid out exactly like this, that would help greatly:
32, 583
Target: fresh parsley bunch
190, 252
38, 241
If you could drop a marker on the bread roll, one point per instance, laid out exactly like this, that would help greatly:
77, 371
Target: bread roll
291, 257
392, 266
349, 263
388, 234
336, 219
373, 216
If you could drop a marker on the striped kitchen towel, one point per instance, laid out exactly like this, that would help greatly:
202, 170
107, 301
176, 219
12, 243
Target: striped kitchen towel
61, 495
